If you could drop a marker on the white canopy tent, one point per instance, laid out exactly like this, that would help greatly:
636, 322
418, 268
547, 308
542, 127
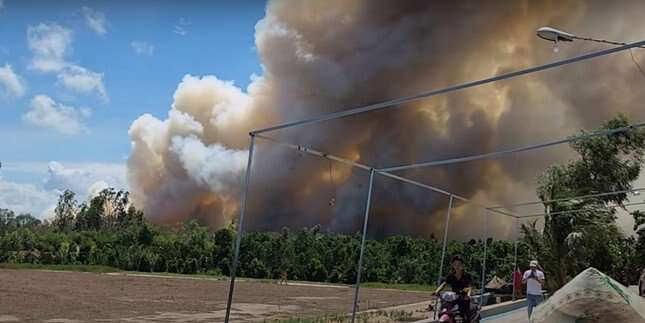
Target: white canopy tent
591, 297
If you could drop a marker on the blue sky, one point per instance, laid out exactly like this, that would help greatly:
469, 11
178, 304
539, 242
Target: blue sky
75, 74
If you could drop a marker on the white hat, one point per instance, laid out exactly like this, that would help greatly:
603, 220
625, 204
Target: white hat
533, 263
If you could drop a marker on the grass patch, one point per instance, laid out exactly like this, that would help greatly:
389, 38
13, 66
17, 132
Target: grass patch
81, 268
207, 275
407, 287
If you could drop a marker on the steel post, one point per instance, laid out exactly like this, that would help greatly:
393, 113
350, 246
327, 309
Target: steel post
516, 224
483, 280
240, 224
360, 257
445, 240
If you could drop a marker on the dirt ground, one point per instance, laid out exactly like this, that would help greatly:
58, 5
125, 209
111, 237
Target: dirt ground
47, 296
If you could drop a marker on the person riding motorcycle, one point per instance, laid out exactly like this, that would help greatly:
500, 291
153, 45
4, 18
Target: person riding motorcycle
461, 283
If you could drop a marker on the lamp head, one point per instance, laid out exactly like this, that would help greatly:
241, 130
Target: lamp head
554, 35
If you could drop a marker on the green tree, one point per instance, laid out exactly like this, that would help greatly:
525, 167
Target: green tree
65, 212
582, 232
223, 251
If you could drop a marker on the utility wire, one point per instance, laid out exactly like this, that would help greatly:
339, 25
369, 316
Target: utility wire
604, 41
636, 62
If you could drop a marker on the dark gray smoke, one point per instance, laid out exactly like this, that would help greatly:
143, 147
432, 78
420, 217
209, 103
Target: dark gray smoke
326, 56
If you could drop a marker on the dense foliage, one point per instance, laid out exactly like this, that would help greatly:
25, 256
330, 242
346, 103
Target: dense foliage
579, 233
107, 231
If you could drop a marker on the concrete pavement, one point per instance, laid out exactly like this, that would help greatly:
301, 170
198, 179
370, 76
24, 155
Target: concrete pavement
516, 316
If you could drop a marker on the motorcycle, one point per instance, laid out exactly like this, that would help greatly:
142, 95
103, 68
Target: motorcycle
449, 310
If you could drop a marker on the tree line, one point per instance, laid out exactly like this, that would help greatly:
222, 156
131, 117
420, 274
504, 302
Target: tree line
108, 231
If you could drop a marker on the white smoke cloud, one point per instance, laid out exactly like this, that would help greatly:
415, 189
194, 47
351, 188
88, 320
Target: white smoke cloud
95, 20
322, 57
47, 113
96, 188
186, 157
214, 167
12, 84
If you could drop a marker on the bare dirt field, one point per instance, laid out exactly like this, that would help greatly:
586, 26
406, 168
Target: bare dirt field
48, 296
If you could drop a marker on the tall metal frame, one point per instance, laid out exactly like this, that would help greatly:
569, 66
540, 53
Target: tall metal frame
388, 172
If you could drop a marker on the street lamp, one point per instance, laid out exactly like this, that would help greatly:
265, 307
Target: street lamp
556, 35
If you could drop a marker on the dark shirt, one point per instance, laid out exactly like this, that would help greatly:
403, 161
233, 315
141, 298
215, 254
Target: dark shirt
458, 285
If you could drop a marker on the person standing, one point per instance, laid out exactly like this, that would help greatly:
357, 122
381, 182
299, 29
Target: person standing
534, 280
517, 284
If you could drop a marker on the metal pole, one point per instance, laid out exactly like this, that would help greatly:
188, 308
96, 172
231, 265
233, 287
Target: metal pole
517, 222
481, 296
445, 240
443, 249
238, 240
360, 257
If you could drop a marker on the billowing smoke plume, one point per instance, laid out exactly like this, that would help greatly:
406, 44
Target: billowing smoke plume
324, 56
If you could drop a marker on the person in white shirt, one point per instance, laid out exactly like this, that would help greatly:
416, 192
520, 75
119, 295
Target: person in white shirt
534, 280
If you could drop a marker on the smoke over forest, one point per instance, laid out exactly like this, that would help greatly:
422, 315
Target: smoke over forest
326, 56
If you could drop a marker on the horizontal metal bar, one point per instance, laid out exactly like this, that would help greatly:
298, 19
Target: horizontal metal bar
511, 151
406, 99
368, 168
504, 213
413, 182
507, 206
316, 153
355, 164
438, 190
575, 211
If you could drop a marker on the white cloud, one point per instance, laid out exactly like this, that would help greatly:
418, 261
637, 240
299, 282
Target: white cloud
95, 20
49, 43
80, 79
142, 47
1, 4
10, 83
84, 179
26, 198
47, 113
179, 28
